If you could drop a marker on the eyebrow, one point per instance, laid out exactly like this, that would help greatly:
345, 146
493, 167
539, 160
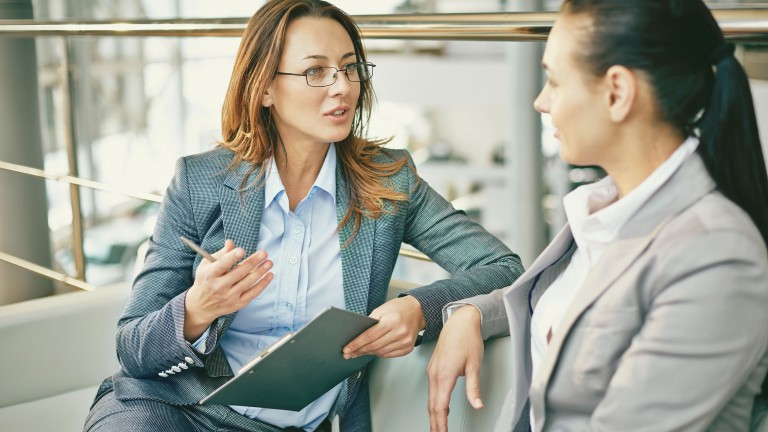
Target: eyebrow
322, 57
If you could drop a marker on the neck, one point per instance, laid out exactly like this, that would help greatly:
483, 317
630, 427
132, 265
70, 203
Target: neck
299, 166
640, 151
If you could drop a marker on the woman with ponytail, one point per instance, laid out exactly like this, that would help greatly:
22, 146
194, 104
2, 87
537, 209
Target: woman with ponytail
649, 310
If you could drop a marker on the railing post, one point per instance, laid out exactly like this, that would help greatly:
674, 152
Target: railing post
523, 149
23, 209
78, 252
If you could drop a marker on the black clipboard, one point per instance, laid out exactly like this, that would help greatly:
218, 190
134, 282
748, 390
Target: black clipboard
300, 367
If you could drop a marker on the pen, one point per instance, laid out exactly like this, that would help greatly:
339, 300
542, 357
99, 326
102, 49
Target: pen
197, 249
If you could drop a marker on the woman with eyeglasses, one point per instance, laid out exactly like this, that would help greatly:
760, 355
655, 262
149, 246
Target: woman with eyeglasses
649, 310
304, 212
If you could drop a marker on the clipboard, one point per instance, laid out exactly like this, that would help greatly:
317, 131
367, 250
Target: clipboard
298, 368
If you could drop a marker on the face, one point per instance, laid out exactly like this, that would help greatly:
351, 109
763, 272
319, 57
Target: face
311, 115
573, 97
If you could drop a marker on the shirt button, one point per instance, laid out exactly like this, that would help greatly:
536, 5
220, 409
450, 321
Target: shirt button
289, 307
293, 260
296, 230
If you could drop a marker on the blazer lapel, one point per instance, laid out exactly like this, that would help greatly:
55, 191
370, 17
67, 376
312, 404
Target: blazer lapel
241, 218
241, 210
634, 238
356, 256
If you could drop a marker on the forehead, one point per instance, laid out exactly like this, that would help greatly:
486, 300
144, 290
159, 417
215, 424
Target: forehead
568, 38
310, 36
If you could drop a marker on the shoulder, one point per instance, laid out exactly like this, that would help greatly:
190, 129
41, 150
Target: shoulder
713, 232
385, 156
206, 166
217, 157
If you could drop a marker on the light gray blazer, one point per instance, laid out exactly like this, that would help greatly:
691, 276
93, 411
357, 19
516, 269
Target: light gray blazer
668, 332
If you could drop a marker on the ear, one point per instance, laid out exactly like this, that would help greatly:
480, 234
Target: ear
621, 92
266, 100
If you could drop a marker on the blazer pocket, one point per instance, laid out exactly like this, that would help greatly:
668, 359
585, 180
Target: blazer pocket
604, 336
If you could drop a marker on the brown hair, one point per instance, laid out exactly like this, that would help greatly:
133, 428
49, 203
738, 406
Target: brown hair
247, 127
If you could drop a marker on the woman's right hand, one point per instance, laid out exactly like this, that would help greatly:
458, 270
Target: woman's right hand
221, 289
459, 352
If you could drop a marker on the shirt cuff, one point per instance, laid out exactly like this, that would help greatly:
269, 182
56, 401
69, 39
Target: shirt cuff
199, 344
452, 307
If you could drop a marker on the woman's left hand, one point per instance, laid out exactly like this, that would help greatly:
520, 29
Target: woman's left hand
400, 321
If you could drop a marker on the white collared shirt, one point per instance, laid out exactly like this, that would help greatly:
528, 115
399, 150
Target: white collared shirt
595, 215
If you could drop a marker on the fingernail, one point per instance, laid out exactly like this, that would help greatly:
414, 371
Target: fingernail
478, 403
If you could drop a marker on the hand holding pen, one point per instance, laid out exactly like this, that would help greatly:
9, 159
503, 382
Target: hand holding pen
222, 285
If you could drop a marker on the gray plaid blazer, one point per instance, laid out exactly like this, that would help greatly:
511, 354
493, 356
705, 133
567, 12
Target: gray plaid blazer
205, 204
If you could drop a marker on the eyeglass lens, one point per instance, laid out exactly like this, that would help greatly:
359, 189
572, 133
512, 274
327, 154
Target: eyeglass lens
325, 76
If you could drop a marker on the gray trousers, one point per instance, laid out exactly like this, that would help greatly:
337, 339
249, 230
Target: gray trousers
109, 414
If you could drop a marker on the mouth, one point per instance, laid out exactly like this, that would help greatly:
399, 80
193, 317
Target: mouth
338, 114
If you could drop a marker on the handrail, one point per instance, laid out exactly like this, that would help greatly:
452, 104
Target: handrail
739, 25
36, 172
43, 271
78, 181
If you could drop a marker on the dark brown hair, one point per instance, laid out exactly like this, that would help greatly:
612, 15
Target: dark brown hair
699, 86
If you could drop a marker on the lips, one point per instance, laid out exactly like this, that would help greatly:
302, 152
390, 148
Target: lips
337, 111
338, 114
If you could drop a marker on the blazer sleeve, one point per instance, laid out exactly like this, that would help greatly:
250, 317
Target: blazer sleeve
150, 336
708, 314
493, 314
478, 261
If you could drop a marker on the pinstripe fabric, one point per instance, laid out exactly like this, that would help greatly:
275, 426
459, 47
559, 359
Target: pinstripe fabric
203, 203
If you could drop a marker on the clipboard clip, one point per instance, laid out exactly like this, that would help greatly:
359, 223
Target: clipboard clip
280, 342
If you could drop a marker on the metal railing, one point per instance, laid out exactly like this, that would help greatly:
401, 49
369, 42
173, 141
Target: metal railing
739, 25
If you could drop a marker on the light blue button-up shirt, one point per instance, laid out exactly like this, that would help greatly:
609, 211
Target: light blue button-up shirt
304, 247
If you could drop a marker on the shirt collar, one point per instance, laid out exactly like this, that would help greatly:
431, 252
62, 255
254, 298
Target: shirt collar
326, 179
595, 214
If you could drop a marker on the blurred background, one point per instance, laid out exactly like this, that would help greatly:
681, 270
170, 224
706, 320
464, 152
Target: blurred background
463, 108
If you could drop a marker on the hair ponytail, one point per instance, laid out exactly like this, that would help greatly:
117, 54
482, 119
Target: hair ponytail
730, 143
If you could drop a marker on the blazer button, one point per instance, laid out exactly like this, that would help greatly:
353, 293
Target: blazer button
170, 372
183, 365
176, 369
163, 374
189, 360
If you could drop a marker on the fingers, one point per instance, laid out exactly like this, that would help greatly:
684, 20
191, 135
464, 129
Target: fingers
473, 387
228, 246
227, 257
400, 321
366, 338
439, 399
381, 340
248, 272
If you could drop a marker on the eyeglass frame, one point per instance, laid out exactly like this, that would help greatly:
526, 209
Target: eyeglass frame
335, 75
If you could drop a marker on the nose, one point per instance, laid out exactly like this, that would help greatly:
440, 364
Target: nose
541, 104
342, 84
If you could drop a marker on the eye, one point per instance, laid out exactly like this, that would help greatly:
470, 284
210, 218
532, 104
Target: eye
351, 68
315, 71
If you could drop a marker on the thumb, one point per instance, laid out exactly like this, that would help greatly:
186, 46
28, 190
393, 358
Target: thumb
473, 388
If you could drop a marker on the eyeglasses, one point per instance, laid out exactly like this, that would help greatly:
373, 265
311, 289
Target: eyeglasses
326, 76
